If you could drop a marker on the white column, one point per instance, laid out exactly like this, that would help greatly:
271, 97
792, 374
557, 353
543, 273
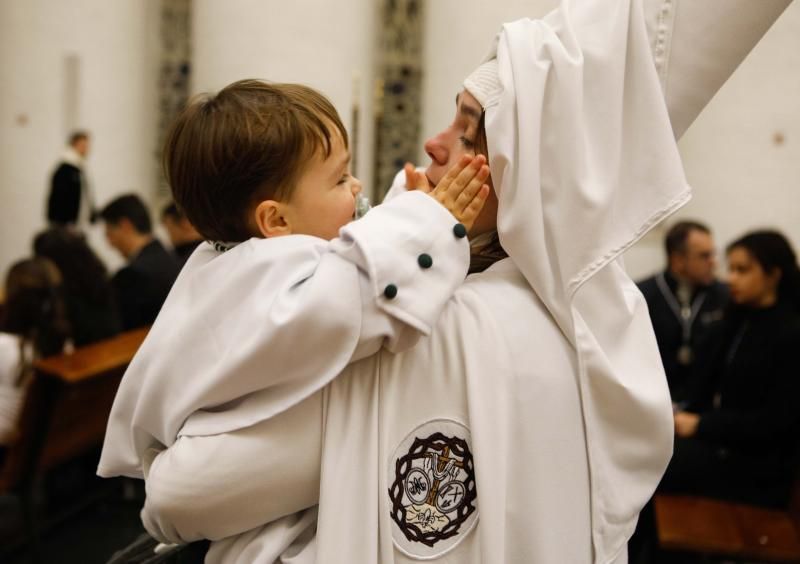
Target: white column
82, 63
327, 45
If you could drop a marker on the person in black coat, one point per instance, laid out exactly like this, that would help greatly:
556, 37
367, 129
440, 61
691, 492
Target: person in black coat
686, 303
143, 284
738, 437
88, 294
69, 190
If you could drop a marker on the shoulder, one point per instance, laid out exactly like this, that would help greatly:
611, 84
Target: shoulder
498, 301
648, 286
788, 325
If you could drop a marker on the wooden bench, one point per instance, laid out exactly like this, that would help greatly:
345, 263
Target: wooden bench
730, 530
64, 413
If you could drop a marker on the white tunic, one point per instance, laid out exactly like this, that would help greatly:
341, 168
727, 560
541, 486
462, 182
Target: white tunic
248, 333
545, 366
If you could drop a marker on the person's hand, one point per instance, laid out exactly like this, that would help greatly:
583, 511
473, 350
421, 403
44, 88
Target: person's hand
463, 190
686, 424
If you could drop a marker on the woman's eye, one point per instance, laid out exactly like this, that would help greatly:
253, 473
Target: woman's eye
466, 143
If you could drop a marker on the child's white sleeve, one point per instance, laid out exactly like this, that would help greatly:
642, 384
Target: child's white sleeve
216, 486
407, 279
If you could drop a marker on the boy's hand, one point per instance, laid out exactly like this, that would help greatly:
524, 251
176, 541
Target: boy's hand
462, 190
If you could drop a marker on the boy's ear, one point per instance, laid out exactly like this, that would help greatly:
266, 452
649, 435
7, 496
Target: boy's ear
270, 219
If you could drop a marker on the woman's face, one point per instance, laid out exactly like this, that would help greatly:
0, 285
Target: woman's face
457, 139
750, 285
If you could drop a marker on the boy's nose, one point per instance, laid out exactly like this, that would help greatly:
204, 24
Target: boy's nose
356, 186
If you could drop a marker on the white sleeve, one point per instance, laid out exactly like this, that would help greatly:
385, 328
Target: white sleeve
698, 44
205, 487
408, 277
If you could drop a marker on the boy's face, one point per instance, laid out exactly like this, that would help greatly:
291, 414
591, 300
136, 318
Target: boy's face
324, 199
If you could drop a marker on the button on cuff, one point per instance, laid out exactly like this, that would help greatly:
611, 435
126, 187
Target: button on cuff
390, 291
459, 230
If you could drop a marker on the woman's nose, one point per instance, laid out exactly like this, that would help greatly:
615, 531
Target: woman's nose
436, 150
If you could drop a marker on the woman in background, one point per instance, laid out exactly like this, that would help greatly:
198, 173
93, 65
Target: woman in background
35, 325
738, 438
90, 305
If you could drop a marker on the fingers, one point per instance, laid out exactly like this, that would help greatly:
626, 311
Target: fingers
456, 170
464, 189
416, 180
474, 183
474, 207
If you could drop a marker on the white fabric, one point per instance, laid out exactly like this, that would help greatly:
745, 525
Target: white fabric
246, 334
484, 83
510, 349
11, 395
577, 185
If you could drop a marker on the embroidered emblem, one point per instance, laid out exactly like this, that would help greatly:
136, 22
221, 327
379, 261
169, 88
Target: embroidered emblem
432, 493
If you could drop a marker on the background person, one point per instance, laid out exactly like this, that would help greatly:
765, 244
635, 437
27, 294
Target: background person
182, 234
738, 437
142, 285
685, 301
70, 201
34, 325
88, 294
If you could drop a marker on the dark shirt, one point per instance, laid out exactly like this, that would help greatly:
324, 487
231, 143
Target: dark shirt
754, 375
142, 286
185, 250
748, 399
707, 310
64, 202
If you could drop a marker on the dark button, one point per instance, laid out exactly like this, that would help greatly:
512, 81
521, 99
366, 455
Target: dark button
390, 291
424, 260
459, 230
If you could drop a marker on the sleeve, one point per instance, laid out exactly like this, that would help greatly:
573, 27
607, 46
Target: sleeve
696, 46
204, 487
406, 280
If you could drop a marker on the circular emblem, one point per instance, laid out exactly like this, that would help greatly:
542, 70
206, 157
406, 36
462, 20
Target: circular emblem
433, 500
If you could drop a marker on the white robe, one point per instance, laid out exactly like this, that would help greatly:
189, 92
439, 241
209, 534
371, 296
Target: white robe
248, 333
558, 391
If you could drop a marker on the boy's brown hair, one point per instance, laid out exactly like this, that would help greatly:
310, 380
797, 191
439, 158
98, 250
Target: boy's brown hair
251, 142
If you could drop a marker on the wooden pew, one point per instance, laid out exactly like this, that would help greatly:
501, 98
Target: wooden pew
731, 530
64, 413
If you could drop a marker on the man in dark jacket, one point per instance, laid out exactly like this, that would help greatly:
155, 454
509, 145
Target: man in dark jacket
70, 201
143, 284
686, 303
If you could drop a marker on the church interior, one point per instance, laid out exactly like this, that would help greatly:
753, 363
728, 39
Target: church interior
88, 92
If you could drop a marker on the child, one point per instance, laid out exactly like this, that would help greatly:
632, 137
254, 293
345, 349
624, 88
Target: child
278, 305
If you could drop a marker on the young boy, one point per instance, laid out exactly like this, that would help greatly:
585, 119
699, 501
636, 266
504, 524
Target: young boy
288, 291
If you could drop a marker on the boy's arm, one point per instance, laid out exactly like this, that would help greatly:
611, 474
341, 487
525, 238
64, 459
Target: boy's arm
219, 485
